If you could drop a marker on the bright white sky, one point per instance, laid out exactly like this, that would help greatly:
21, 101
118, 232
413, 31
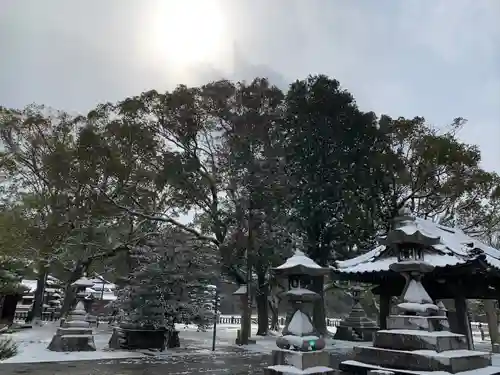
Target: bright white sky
436, 58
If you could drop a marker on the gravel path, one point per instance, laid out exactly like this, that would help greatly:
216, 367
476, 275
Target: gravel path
237, 363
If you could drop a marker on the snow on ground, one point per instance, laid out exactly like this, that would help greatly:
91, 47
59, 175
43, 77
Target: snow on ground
226, 336
33, 346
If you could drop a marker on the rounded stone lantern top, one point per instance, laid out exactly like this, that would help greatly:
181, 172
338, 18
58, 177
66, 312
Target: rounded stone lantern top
83, 282
300, 264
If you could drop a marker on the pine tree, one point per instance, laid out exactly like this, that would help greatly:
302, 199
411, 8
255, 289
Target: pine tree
168, 282
141, 299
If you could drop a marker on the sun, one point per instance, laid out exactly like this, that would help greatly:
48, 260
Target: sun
186, 33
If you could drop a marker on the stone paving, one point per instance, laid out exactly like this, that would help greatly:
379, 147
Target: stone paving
237, 363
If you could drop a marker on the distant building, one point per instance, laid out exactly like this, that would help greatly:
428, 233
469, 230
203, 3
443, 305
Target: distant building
102, 290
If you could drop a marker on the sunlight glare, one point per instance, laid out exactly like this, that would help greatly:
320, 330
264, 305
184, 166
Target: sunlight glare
188, 32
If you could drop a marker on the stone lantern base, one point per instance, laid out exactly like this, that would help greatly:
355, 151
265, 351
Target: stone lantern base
75, 335
288, 361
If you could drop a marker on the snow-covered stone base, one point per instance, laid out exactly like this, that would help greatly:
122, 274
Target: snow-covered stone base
303, 361
451, 361
72, 343
355, 367
438, 341
289, 370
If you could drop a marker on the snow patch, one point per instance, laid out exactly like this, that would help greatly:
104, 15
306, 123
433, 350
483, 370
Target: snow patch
32, 345
421, 333
300, 324
491, 370
293, 370
416, 293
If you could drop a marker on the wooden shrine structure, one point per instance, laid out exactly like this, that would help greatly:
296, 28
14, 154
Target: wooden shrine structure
464, 269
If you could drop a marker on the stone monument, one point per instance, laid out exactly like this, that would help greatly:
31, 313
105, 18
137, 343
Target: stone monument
357, 326
417, 339
300, 346
75, 334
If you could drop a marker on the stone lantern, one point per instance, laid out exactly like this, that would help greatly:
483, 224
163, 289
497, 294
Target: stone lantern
417, 338
357, 326
300, 346
75, 334
81, 286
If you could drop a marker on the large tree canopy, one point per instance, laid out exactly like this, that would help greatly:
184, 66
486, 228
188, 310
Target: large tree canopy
250, 171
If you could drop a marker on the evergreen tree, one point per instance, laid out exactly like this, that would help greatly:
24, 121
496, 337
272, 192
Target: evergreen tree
168, 282
141, 299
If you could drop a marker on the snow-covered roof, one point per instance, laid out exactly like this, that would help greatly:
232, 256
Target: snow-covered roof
30, 284
107, 295
242, 290
83, 281
299, 263
452, 247
99, 280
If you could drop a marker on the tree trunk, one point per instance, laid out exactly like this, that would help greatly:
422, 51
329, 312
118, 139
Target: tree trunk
262, 305
319, 316
246, 331
39, 293
491, 317
275, 324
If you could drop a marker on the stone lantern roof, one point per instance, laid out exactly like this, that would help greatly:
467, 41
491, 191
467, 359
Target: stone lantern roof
446, 248
300, 264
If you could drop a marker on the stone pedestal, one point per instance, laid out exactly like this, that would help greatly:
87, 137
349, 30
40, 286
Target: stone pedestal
287, 361
74, 335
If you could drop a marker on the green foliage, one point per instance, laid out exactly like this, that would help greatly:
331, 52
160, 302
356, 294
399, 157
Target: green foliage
168, 281
264, 172
334, 169
436, 173
8, 348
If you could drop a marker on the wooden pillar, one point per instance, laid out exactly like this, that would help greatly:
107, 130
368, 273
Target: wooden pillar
463, 320
385, 308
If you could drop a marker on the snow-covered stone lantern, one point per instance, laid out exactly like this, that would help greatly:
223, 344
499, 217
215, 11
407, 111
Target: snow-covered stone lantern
75, 333
300, 346
81, 286
417, 338
356, 326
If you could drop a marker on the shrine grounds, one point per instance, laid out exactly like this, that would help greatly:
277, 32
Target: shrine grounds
194, 356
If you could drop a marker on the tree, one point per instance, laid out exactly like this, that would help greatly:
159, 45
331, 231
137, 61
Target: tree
168, 280
254, 174
193, 129
436, 174
335, 174
37, 163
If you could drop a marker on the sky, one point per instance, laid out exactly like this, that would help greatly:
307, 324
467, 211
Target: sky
439, 59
